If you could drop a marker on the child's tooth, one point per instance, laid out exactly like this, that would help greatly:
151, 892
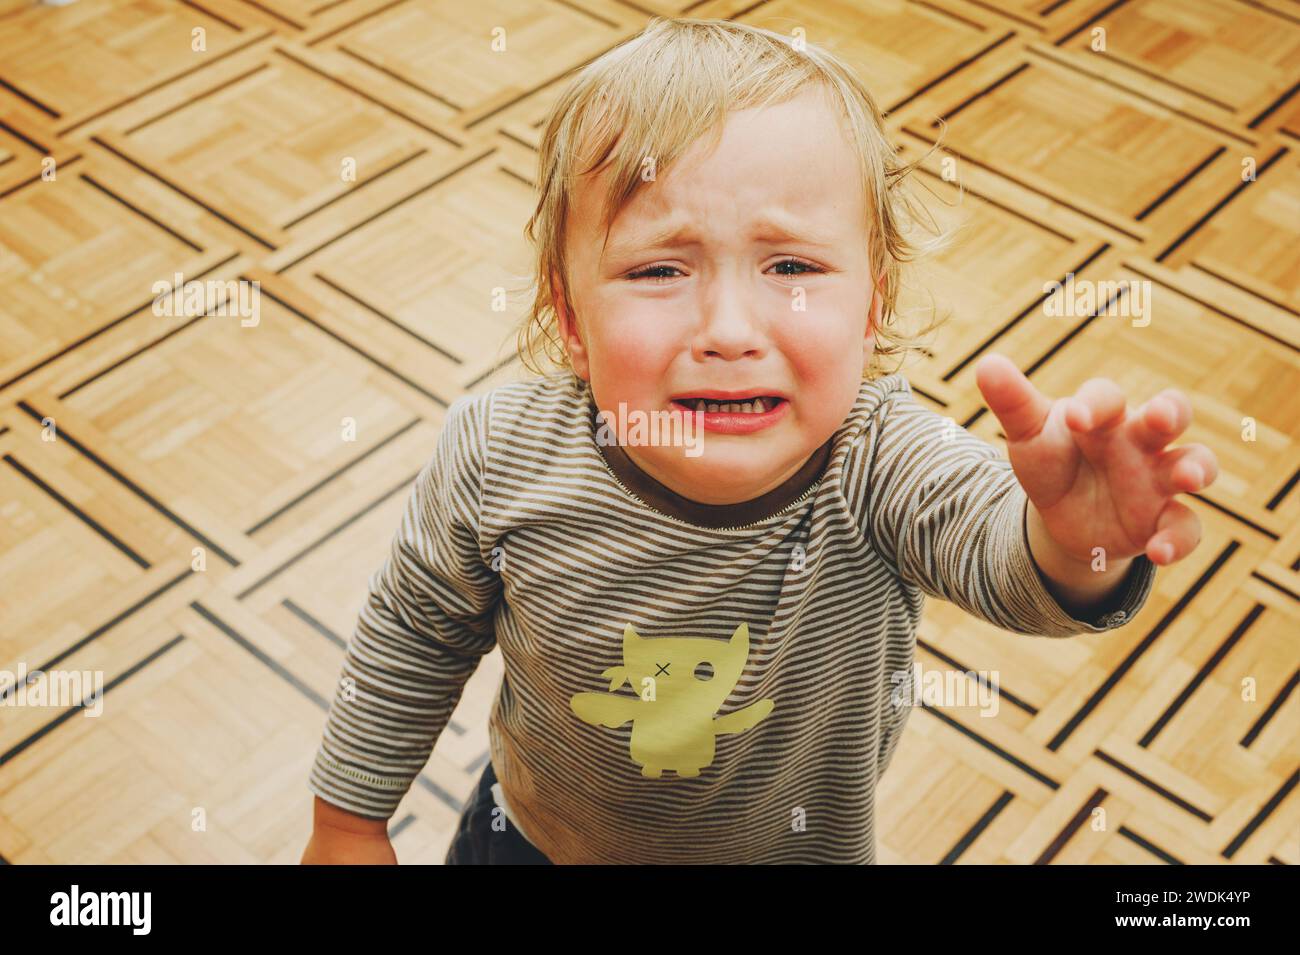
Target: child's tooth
754, 406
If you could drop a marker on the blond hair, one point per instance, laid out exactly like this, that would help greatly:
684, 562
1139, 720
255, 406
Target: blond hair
658, 92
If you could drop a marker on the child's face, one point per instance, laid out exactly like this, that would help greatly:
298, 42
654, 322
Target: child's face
719, 309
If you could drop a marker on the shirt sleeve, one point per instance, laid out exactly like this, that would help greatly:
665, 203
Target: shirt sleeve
947, 512
425, 625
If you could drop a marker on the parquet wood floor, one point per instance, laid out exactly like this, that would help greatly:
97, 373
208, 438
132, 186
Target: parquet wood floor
192, 505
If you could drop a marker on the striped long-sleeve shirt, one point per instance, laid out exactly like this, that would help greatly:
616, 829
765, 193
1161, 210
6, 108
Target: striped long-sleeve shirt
683, 682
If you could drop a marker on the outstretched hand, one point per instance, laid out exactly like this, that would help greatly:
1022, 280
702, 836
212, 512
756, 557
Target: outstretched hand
1099, 475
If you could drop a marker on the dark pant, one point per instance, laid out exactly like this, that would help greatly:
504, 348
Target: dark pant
477, 843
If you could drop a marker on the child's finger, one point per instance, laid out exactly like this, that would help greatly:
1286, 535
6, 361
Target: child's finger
1188, 468
1179, 533
1097, 405
1020, 408
1162, 419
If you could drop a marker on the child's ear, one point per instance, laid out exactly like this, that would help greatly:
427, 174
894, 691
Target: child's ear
567, 326
877, 305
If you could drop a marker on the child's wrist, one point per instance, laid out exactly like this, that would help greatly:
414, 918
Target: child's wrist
329, 819
1076, 583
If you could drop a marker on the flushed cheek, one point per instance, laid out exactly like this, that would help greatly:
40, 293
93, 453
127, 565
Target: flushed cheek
814, 342
824, 366
637, 346
632, 382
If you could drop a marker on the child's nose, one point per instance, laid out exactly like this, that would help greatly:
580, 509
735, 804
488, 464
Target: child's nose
729, 328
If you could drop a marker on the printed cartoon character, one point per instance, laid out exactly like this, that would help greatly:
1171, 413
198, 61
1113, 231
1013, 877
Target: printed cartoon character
682, 682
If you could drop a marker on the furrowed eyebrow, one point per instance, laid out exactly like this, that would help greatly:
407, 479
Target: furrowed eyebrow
772, 232
681, 236
671, 236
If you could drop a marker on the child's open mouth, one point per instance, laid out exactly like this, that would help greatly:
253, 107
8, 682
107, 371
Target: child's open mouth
756, 405
734, 413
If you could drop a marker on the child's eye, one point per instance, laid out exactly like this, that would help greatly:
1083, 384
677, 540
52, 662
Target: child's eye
807, 266
655, 271
650, 272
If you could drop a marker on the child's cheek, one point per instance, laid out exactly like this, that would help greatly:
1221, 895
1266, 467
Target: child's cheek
824, 357
638, 353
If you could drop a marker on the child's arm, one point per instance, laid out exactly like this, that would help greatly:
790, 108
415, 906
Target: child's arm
953, 517
426, 624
